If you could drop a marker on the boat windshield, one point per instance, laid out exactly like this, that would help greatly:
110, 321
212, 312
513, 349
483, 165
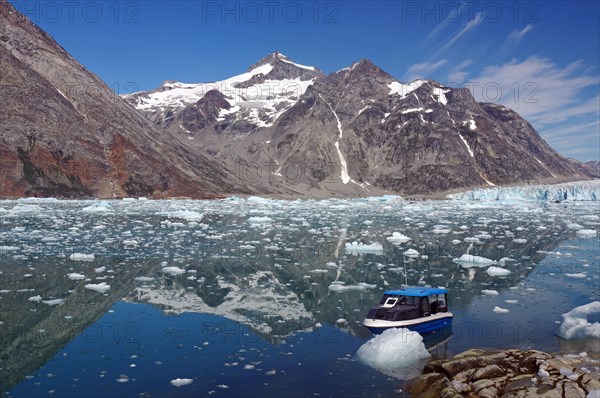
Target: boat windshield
392, 299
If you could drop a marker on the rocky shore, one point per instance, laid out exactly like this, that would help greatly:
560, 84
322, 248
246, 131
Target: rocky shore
510, 373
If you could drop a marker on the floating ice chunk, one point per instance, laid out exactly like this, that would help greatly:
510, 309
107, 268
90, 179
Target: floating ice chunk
181, 382
397, 238
260, 220
490, 292
586, 233
123, 379
499, 310
497, 271
100, 207
101, 287
82, 257
511, 301
100, 270
358, 247
520, 240
53, 302
469, 260
455, 242
575, 324
411, 253
172, 270
340, 287
143, 279
574, 226
35, 299
74, 276
579, 275
399, 352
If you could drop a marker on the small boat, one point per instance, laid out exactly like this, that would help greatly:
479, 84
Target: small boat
419, 309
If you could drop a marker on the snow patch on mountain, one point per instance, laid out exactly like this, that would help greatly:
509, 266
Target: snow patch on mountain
404, 89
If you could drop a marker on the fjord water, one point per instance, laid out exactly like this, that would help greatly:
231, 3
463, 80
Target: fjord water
256, 297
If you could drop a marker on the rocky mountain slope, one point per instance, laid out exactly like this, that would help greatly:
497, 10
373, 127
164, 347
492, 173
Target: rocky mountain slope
357, 131
64, 133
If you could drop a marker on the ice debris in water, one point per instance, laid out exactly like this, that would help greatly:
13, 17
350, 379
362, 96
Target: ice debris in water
575, 324
399, 352
490, 292
497, 271
101, 287
469, 260
397, 238
341, 287
172, 270
357, 247
587, 233
181, 382
82, 257
411, 253
499, 310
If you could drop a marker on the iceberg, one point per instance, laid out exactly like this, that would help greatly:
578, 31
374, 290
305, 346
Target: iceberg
575, 324
497, 271
397, 352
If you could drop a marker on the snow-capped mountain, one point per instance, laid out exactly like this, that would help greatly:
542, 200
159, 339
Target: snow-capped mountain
257, 97
358, 131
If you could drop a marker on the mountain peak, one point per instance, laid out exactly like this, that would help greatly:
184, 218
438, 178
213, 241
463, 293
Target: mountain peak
271, 58
367, 67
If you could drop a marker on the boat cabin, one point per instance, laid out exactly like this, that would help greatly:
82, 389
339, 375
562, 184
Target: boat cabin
411, 303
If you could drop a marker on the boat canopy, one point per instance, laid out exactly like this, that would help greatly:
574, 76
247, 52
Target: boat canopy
417, 291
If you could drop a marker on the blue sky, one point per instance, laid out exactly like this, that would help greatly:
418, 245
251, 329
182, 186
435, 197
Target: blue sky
540, 58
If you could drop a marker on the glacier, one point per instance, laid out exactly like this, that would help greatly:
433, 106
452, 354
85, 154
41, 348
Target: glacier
579, 191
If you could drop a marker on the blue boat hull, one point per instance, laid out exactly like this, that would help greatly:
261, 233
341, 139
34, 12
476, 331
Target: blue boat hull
423, 327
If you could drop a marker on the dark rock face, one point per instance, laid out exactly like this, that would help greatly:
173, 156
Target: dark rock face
64, 133
510, 373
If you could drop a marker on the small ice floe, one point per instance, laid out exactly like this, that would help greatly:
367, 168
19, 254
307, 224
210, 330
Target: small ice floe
469, 260
100, 207
575, 324
578, 275
456, 242
143, 279
489, 292
187, 215
342, 287
586, 233
499, 310
123, 379
181, 382
520, 240
511, 301
397, 238
82, 257
100, 270
101, 287
172, 270
358, 247
35, 299
74, 276
411, 253
397, 352
53, 302
260, 220
497, 271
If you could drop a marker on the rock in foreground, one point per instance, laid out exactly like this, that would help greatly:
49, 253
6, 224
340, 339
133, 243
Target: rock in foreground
510, 373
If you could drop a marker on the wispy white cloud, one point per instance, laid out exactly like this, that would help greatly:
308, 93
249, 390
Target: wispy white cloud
451, 17
513, 40
472, 24
555, 100
422, 71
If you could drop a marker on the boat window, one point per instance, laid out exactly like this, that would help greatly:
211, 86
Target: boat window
424, 305
391, 301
